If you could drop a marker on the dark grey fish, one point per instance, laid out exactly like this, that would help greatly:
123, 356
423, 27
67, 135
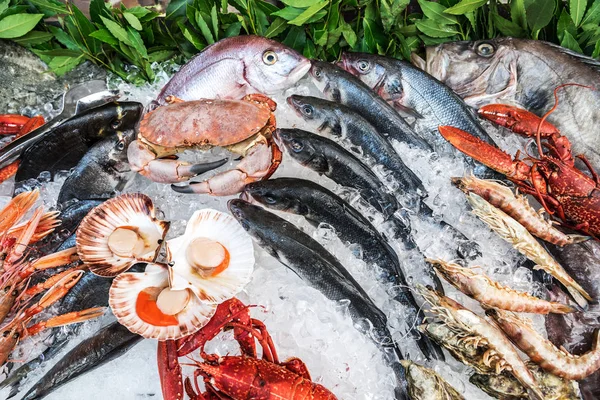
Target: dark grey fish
107, 344
356, 134
65, 145
289, 245
319, 205
525, 73
342, 87
102, 172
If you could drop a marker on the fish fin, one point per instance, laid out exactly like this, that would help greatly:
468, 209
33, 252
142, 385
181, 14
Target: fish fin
405, 111
579, 238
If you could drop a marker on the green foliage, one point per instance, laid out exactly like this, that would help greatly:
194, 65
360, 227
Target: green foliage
128, 41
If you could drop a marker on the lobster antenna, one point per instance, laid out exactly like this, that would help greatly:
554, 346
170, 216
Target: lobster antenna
554, 107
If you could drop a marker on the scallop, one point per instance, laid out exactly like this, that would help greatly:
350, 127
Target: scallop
145, 304
214, 258
119, 233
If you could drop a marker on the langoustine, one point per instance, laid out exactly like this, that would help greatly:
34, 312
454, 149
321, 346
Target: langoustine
492, 294
543, 352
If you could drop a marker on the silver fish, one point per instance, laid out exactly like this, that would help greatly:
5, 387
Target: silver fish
525, 73
234, 67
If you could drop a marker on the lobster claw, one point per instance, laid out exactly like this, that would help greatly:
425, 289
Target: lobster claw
485, 153
517, 120
169, 370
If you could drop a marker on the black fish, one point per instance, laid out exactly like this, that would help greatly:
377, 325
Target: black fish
107, 344
343, 87
102, 172
288, 244
319, 205
66, 144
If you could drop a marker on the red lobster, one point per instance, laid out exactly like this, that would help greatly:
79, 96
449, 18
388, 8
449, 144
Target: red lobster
561, 188
18, 125
236, 377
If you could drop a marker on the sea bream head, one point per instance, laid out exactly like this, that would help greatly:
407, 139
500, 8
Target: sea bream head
475, 69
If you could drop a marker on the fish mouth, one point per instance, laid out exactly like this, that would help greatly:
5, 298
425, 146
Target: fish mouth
295, 104
300, 71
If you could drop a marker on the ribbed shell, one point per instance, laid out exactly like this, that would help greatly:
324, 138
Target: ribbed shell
221, 228
123, 296
128, 210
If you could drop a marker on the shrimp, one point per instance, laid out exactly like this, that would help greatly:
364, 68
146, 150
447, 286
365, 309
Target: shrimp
517, 207
541, 351
492, 294
520, 238
461, 319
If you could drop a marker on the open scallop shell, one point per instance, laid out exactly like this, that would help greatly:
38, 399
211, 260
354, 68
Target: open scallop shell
119, 233
214, 258
134, 298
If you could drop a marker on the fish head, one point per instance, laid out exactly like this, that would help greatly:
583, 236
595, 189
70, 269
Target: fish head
471, 68
271, 66
261, 224
279, 194
298, 145
116, 147
314, 111
110, 118
327, 78
364, 66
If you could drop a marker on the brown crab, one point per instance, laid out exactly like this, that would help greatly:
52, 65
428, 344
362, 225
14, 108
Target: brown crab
243, 127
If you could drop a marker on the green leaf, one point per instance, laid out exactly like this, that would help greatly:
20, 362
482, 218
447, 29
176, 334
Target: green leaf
508, 28
435, 12
570, 43
593, 14
309, 12
215, 21
472, 19
14, 10
577, 9
518, 14
85, 28
58, 53
49, 8
596, 52
288, 13
204, 28
565, 24
137, 42
61, 65
391, 10
349, 34
277, 26
299, 3
97, 9
17, 25
105, 36
233, 29
192, 37
161, 55
309, 50
139, 12
64, 38
431, 29
539, 14
296, 38
176, 8
117, 31
34, 37
133, 21
465, 6
4, 5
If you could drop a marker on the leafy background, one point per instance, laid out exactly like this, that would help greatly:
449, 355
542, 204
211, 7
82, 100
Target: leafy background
128, 41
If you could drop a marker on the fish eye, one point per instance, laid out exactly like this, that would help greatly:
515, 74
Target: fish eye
120, 145
115, 124
307, 110
486, 49
317, 72
269, 57
270, 199
364, 65
296, 145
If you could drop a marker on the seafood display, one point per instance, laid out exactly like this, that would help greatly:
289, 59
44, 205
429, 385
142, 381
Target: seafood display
362, 210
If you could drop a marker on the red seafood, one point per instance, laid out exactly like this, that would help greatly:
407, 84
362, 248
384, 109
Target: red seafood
17, 125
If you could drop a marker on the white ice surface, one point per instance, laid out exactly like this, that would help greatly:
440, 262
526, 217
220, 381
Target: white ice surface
302, 321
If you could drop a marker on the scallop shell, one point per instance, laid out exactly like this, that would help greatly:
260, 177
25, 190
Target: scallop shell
133, 213
219, 284
123, 300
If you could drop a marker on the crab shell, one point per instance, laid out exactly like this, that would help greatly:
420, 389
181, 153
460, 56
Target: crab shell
204, 123
135, 299
214, 258
120, 233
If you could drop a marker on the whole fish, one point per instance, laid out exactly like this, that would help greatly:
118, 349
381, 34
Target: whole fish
342, 87
65, 145
525, 73
110, 342
103, 171
356, 134
408, 87
234, 67
319, 205
326, 157
287, 243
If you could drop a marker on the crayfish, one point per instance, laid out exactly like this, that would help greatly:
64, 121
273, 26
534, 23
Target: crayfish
236, 377
17, 125
552, 178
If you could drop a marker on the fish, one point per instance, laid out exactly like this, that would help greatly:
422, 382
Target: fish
108, 343
66, 144
319, 205
288, 244
234, 67
408, 87
425, 384
342, 87
525, 73
102, 172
